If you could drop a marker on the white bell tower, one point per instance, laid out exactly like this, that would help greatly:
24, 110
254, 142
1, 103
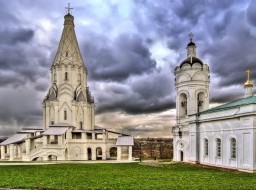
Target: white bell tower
192, 81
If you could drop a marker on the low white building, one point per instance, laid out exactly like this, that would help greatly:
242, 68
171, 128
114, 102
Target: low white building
224, 136
69, 132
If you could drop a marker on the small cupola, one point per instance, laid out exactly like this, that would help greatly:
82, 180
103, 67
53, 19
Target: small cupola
191, 53
191, 47
248, 85
69, 19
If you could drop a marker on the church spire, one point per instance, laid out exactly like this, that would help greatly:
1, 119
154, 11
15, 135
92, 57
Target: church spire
248, 85
68, 51
191, 47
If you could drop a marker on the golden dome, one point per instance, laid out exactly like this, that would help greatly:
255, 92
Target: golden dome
248, 84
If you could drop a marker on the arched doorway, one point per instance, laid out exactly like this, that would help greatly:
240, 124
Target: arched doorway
89, 153
98, 153
52, 158
113, 153
181, 155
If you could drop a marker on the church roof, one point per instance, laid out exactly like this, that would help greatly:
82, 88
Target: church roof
233, 104
68, 51
15, 139
55, 130
191, 61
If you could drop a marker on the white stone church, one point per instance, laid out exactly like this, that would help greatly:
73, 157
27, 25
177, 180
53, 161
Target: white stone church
224, 136
69, 132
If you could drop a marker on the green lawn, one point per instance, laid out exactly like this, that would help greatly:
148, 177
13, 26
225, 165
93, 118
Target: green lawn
123, 176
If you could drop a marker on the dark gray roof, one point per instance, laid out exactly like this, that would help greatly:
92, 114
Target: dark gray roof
15, 139
55, 131
191, 61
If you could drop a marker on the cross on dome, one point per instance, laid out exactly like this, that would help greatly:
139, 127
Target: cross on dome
248, 73
191, 35
68, 8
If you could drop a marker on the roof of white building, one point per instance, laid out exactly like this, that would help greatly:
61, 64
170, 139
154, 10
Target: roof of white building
233, 104
14, 139
28, 131
55, 131
125, 141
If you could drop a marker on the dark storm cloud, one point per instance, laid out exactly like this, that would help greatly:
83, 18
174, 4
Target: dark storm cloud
12, 36
251, 13
19, 111
126, 56
139, 95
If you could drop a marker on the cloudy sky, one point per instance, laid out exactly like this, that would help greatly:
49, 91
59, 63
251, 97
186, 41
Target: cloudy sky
130, 48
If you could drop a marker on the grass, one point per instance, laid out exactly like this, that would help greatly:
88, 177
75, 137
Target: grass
123, 176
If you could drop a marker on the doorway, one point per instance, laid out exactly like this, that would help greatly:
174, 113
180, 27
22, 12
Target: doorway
89, 153
181, 156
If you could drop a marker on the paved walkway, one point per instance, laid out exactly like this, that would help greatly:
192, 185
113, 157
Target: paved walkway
64, 162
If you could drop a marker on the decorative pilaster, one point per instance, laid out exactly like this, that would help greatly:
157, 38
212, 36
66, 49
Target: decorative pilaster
28, 144
119, 152
2, 152
93, 154
19, 151
11, 151
104, 153
130, 153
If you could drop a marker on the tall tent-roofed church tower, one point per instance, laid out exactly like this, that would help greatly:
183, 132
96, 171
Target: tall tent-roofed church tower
69, 99
68, 131
192, 81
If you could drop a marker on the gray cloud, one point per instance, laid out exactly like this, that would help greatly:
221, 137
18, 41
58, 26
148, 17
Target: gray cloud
251, 13
12, 36
139, 95
125, 57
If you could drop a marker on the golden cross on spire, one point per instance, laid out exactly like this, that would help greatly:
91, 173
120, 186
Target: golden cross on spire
191, 35
248, 73
68, 8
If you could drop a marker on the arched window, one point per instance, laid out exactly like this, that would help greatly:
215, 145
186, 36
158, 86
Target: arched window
206, 147
65, 115
183, 105
66, 53
66, 75
233, 148
200, 102
81, 124
218, 148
